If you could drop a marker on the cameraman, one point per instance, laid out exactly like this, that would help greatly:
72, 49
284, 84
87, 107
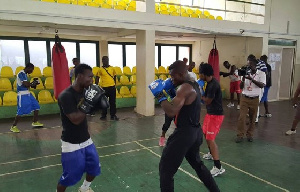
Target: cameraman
251, 86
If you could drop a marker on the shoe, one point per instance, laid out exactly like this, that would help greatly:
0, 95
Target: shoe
230, 105
103, 118
215, 171
238, 139
289, 132
92, 114
88, 190
162, 141
250, 139
14, 129
37, 124
268, 115
238, 107
208, 156
114, 118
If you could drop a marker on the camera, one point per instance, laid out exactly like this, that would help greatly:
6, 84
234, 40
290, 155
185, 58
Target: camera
243, 71
34, 83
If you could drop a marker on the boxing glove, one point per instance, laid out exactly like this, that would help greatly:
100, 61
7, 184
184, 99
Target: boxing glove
34, 83
157, 87
201, 84
169, 87
103, 103
91, 99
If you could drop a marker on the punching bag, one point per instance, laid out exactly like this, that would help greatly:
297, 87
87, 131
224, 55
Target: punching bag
61, 77
213, 60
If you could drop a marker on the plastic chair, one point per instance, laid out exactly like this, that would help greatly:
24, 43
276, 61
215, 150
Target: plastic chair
163, 77
64, 1
49, 83
36, 72
118, 82
18, 69
164, 12
15, 85
155, 77
33, 94
95, 70
194, 15
189, 11
124, 80
133, 70
161, 69
185, 14
219, 18
6, 71
93, 4
118, 70
211, 17
175, 13
5, 84
133, 79
206, 13
129, 8
156, 71
163, 7
197, 11
133, 91
47, 72
39, 86
118, 94
106, 6
10, 98
52, 1
124, 91
126, 70
45, 97
119, 7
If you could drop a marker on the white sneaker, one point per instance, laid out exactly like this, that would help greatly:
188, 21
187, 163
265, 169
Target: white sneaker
215, 171
208, 156
88, 190
230, 104
268, 115
290, 132
238, 107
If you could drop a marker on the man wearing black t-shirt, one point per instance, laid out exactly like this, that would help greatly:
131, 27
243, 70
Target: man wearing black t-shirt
79, 154
214, 117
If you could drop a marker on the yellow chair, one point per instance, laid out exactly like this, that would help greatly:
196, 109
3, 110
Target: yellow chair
45, 97
164, 12
195, 70
163, 7
52, 1
93, 4
132, 4
99, 1
6, 71
80, 2
129, 8
126, 70
49, 83
173, 8
156, 71
64, 1
39, 86
163, 77
211, 17
118, 94
197, 76
185, 14
10, 98
124, 80
118, 82
18, 69
95, 70
161, 69
15, 85
55, 100
175, 13
106, 6
118, 70
189, 11
133, 91
124, 91
120, 7
197, 11
155, 77
122, 3
36, 72
133, 79
157, 10
0, 101
47, 72
182, 10
5, 84
194, 15
206, 13
202, 16
33, 94
134, 70
167, 69
219, 18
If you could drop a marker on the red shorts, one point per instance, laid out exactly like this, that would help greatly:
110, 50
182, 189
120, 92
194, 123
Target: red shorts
211, 126
235, 87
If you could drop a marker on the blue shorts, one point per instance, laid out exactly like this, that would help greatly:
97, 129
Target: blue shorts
265, 95
76, 163
26, 104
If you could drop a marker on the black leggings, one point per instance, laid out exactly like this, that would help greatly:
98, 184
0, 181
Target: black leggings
168, 121
184, 142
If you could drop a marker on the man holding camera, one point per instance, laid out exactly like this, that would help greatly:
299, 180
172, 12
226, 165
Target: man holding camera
251, 86
26, 102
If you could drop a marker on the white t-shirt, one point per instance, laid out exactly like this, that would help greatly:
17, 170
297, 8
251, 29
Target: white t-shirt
193, 76
252, 90
235, 76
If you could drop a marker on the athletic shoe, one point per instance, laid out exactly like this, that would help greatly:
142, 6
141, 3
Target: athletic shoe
238, 107
114, 118
14, 129
37, 124
88, 190
162, 141
268, 115
289, 132
250, 139
208, 156
215, 171
230, 105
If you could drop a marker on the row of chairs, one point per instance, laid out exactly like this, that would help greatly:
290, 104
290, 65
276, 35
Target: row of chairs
5, 84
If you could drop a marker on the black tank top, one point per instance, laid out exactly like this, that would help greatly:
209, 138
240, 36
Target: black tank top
189, 115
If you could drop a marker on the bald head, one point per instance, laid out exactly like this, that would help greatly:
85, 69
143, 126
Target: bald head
178, 72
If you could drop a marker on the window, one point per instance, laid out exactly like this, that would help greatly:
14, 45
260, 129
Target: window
38, 53
168, 55
130, 55
12, 53
115, 55
70, 49
88, 54
184, 52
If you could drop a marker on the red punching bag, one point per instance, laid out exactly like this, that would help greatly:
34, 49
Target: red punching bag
61, 78
213, 60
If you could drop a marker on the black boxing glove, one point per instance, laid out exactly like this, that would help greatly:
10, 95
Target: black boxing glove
91, 99
34, 83
103, 103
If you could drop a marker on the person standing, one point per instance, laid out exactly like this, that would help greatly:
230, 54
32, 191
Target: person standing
26, 102
297, 116
251, 86
264, 98
213, 119
79, 154
72, 71
235, 82
108, 79
186, 139
191, 66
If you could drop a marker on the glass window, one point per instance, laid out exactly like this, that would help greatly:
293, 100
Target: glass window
130, 55
88, 54
70, 49
156, 56
115, 55
184, 52
38, 53
168, 55
12, 53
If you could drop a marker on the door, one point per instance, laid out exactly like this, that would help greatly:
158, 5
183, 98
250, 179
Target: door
286, 73
274, 59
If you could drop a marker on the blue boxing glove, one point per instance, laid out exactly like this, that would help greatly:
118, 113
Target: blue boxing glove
157, 87
201, 84
169, 87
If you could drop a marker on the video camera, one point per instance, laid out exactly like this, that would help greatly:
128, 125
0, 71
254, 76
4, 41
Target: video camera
243, 71
34, 83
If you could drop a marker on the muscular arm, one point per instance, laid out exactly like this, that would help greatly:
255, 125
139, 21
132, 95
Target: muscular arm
26, 84
232, 69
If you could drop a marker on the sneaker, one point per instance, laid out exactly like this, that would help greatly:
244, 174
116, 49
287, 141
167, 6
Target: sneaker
162, 141
208, 156
230, 105
92, 114
103, 118
14, 129
88, 190
37, 124
289, 132
238, 107
114, 118
215, 171
238, 139
268, 115
250, 139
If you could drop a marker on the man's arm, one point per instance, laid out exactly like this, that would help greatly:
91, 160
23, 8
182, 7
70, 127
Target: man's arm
260, 83
232, 70
296, 94
98, 74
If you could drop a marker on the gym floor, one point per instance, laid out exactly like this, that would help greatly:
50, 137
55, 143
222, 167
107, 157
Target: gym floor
129, 154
